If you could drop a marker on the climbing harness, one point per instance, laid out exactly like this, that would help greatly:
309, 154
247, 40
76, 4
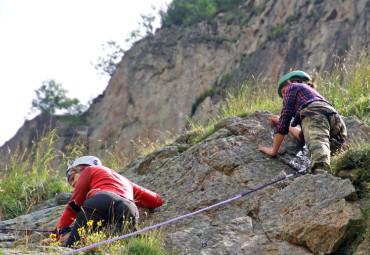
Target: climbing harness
186, 215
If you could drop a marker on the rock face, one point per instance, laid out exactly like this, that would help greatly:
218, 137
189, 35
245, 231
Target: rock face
312, 212
160, 78
305, 214
179, 72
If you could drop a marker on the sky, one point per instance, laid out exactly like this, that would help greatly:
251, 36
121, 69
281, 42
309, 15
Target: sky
59, 40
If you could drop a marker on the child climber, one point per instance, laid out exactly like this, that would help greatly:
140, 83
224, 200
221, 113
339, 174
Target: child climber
321, 125
101, 197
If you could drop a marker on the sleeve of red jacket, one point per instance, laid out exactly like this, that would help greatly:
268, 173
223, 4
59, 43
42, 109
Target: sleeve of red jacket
146, 198
78, 197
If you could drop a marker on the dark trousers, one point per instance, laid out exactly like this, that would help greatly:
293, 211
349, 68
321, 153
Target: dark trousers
114, 212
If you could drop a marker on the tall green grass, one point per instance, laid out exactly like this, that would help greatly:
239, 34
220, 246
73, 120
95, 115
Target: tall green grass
345, 85
28, 179
253, 95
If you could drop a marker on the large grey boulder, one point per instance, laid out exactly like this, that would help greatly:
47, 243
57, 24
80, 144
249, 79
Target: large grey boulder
312, 212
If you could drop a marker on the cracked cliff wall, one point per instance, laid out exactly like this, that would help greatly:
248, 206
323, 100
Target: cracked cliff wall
158, 80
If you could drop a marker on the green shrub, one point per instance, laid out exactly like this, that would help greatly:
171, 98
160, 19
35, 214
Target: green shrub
143, 246
188, 12
52, 97
357, 159
277, 31
354, 159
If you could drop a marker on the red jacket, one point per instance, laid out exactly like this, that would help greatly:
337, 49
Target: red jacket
94, 179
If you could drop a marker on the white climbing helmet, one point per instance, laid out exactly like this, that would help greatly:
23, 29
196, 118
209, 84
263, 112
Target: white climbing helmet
85, 160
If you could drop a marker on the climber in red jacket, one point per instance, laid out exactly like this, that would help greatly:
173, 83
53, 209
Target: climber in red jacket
102, 197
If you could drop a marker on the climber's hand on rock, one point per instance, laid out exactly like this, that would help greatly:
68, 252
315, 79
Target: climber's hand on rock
274, 119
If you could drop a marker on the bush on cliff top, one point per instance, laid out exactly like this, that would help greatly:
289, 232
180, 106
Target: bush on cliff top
188, 12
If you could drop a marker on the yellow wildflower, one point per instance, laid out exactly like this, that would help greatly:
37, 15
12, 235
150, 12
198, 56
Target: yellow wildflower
90, 223
99, 223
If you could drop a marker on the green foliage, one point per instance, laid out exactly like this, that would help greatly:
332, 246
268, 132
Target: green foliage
75, 119
226, 5
143, 246
200, 99
115, 52
147, 23
313, 15
108, 63
188, 12
254, 11
253, 95
346, 85
292, 18
277, 30
224, 80
149, 243
51, 96
29, 178
215, 39
354, 159
280, 28
358, 160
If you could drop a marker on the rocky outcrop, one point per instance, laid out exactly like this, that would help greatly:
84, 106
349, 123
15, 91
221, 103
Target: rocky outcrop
161, 78
302, 215
312, 212
306, 215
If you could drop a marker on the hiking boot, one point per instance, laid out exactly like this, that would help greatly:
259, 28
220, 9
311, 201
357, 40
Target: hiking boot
319, 171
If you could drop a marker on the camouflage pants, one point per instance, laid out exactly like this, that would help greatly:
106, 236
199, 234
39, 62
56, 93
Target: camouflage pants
318, 131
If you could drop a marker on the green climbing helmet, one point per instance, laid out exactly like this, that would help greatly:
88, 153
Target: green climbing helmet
291, 75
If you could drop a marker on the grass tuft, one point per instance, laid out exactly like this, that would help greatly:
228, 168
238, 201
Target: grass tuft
29, 179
